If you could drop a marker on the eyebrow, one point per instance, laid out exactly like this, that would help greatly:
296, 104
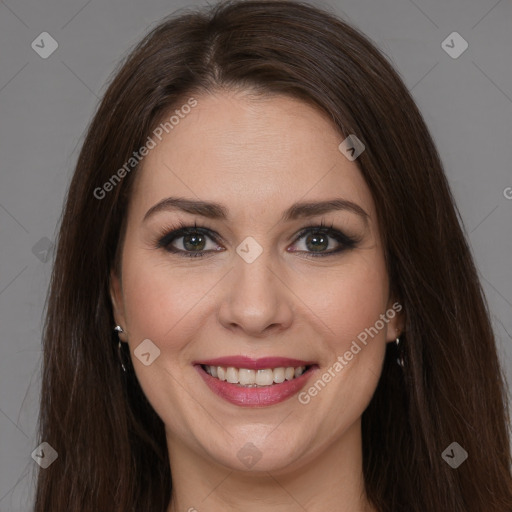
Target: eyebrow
214, 210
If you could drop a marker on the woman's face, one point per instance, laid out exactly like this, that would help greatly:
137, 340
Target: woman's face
263, 297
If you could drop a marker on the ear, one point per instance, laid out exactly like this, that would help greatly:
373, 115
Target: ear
395, 325
116, 296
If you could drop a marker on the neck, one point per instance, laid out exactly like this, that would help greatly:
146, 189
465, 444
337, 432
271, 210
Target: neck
330, 479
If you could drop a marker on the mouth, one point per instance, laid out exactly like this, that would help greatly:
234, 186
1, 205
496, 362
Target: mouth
249, 378
255, 383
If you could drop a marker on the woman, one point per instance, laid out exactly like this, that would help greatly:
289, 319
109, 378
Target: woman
262, 297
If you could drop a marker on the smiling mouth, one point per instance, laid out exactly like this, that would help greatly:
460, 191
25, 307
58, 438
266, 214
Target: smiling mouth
248, 378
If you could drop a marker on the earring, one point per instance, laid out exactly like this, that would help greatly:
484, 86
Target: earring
400, 359
119, 329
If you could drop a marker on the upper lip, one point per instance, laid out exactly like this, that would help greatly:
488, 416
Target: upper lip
254, 364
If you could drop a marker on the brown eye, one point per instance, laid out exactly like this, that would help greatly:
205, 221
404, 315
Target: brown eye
318, 240
193, 241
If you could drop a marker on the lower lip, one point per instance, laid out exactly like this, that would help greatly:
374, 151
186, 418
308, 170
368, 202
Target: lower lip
256, 397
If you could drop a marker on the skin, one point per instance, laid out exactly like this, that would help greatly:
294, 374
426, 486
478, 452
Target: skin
256, 156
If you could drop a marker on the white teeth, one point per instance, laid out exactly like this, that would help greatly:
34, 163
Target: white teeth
246, 376
278, 375
289, 373
232, 375
255, 378
264, 377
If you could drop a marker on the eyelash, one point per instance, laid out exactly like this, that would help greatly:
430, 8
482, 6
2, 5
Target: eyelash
182, 229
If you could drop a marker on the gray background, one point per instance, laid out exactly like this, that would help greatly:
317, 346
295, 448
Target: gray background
46, 105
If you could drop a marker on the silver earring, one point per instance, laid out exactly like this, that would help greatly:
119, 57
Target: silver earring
400, 359
118, 329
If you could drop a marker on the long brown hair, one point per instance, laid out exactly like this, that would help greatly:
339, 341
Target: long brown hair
111, 443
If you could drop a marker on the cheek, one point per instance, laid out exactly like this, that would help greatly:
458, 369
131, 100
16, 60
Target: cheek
159, 300
156, 305
355, 350
152, 305
349, 299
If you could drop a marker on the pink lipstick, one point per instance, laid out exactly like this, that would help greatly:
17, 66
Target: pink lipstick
263, 382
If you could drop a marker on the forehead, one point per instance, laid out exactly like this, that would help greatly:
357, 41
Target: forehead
249, 153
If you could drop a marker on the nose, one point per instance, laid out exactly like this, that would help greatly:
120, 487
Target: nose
256, 299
